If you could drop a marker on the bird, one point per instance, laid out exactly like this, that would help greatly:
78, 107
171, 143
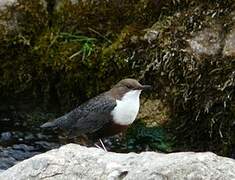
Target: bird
105, 115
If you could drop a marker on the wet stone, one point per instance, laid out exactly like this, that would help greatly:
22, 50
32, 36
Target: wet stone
5, 137
42, 136
46, 145
3, 152
29, 137
23, 147
17, 154
6, 162
18, 135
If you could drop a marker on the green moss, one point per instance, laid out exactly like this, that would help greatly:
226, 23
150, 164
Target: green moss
59, 52
119, 43
199, 91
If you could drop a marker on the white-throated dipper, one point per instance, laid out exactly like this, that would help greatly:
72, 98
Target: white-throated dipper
104, 115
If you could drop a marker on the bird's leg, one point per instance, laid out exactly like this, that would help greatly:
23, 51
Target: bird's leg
96, 145
102, 145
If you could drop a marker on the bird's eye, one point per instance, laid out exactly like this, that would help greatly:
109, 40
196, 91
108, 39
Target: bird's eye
128, 86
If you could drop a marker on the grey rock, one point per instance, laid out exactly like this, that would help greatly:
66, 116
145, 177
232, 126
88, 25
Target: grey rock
6, 162
46, 145
229, 47
23, 147
5, 136
5, 3
18, 152
207, 42
77, 162
59, 4
151, 35
29, 137
10, 25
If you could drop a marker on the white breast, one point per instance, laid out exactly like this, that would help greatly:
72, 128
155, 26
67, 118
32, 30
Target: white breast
127, 108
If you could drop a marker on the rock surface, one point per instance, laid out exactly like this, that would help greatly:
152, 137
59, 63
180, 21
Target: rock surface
229, 48
207, 41
4, 3
17, 146
77, 162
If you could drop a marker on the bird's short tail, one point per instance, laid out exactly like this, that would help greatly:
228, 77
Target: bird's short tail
61, 122
49, 125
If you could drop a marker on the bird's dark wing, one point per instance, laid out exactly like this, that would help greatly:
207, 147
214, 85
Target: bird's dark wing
93, 115
86, 118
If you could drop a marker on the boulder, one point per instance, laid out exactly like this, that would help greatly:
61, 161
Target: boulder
77, 162
18, 16
207, 41
229, 48
5, 3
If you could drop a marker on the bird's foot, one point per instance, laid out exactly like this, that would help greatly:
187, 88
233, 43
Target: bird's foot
102, 145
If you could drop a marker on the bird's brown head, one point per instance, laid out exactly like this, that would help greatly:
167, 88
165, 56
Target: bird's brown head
127, 85
131, 84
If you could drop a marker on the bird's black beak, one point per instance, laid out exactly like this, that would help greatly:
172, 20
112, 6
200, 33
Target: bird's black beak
145, 87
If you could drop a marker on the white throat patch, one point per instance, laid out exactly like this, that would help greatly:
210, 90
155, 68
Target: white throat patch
127, 108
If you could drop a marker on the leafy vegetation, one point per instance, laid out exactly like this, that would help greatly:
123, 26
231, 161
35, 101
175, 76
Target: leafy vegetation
140, 138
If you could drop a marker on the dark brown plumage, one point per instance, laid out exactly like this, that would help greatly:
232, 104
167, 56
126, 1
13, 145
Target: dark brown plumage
94, 117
